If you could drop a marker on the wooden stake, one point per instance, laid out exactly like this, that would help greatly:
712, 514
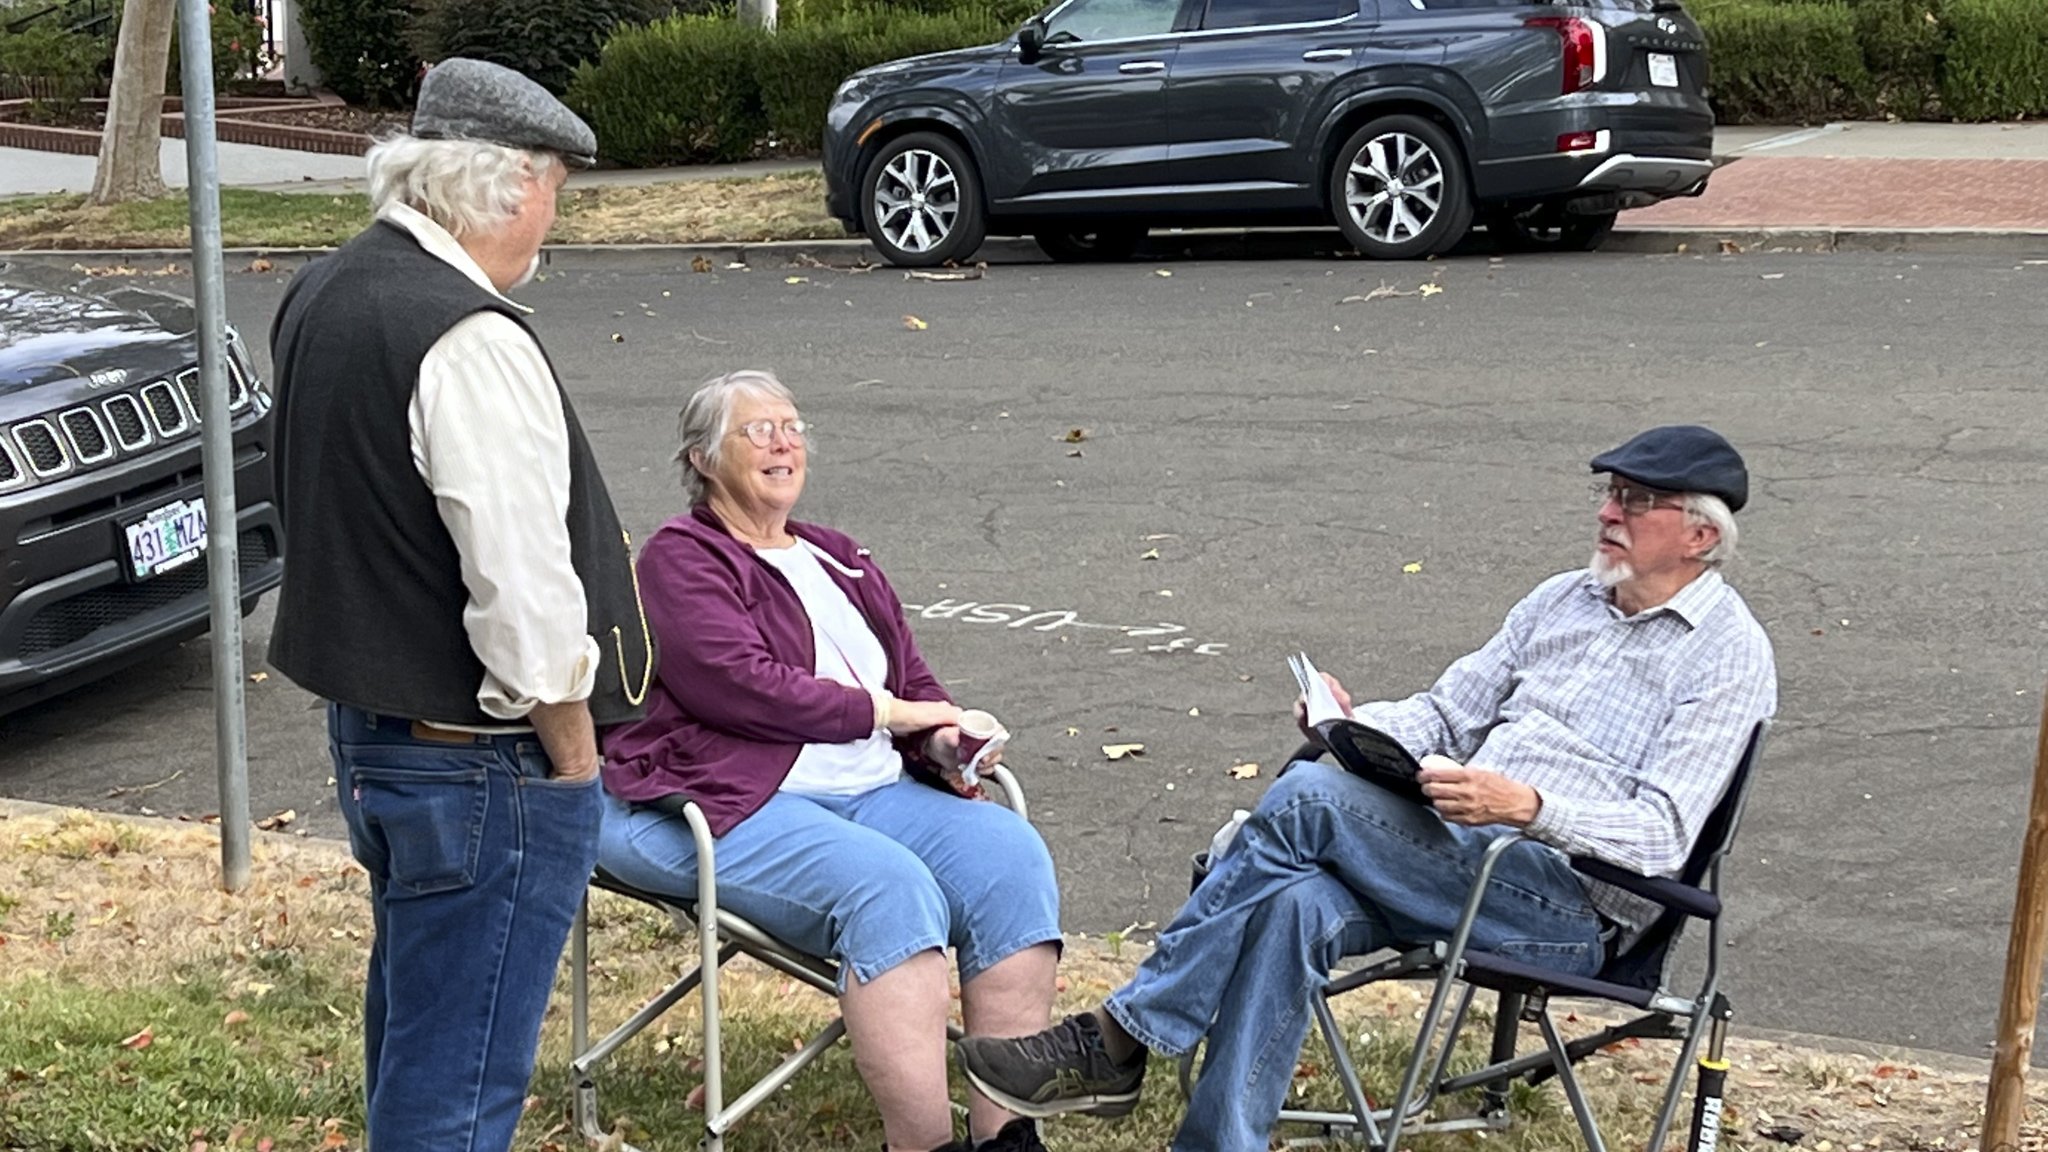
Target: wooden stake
2006, 1102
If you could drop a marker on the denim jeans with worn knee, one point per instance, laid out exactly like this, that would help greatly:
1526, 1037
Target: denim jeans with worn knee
1328, 865
477, 861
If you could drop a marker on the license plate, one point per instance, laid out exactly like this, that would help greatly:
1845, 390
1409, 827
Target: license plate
167, 538
1663, 70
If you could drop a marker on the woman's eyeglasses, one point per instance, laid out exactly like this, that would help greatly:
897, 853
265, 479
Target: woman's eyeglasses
761, 433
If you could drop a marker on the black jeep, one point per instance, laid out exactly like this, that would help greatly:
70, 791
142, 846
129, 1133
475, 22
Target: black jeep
102, 513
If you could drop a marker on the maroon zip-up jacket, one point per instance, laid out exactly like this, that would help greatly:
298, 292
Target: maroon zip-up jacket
737, 696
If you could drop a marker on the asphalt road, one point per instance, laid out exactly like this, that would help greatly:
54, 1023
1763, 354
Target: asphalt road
1265, 461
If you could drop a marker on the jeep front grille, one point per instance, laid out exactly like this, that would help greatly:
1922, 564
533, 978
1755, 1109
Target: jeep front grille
41, 448
164, 409
11, 473
195, 393
88, 436
71, 620
130, 425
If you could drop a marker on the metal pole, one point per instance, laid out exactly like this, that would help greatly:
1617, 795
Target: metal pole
224, 578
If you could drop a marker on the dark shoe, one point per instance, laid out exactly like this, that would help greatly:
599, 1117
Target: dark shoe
1019, 1135
1062, 1069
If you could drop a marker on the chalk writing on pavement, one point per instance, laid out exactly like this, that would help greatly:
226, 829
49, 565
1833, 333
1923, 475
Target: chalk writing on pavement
1156, 637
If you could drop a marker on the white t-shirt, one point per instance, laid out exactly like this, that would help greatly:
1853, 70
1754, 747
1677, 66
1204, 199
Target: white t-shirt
850, 654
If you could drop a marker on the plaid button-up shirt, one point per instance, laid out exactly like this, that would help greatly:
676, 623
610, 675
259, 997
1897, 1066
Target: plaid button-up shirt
1628, 727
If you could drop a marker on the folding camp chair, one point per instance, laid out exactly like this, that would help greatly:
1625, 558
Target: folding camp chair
1635, 977
722, 935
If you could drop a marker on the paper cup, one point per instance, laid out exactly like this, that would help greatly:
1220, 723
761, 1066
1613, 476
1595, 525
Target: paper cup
981, 736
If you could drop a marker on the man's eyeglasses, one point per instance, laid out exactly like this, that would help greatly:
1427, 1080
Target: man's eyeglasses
1634, 501
761, 433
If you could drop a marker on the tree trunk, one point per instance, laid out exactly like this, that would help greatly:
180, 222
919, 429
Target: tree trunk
130, 166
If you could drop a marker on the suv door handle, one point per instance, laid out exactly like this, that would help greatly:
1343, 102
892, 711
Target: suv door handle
1140, 67
1315, 55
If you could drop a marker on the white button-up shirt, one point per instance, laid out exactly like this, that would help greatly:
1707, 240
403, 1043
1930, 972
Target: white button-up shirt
490, 440
1628, 727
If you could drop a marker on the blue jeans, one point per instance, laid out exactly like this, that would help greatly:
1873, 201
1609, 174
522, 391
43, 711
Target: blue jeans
1327, 866
478, 862
872, 879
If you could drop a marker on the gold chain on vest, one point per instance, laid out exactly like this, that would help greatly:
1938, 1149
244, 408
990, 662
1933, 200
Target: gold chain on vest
646, 636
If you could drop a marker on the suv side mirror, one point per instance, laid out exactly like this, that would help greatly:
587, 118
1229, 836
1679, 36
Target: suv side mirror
1030, 42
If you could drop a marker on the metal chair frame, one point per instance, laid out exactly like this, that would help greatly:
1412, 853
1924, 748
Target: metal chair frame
1638, 977
723, 935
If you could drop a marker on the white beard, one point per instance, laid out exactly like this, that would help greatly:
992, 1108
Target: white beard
1610, 572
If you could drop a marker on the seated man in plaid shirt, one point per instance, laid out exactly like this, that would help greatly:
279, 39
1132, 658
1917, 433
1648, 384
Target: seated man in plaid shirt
1603, 719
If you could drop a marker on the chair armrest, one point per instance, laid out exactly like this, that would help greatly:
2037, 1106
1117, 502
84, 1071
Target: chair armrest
1674, 894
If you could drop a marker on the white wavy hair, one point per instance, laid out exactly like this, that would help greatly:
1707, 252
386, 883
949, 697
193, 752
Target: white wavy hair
1701, 508
707, 417
465, 186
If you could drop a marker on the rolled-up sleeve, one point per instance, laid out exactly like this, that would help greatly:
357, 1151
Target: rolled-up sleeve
489, 439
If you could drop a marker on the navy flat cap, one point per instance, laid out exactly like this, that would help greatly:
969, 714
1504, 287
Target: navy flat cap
1681, 458
464, 99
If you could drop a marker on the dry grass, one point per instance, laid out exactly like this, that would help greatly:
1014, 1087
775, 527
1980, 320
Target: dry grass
783, 207
143, 1009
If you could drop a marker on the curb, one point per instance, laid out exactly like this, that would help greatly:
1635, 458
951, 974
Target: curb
1306, 243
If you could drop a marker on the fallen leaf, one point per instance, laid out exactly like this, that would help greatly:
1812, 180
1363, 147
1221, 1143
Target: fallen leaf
914, 324
618, 339
1149, 554
1075, 435
1243, 771
1166, 591
140, 1040
1772, 276
974, 273
1075, 454
1431, 289
698, 264
1194, 711
1161, 272
1412, 569
1119, 751
277, 820
259, 264
333, 1139
258, 677
736, 266
1385, 291
235, 1019
1073, 731
1731, 248
695, 1100
796, 279
1782, 1133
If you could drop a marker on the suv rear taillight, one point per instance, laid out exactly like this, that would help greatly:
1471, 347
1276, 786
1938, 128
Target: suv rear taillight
1585, 49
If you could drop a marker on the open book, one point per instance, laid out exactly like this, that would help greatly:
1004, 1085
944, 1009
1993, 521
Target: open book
1362, 749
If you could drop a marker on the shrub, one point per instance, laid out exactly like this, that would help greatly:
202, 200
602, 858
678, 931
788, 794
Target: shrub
1776, 63
1997, 66
709, 89
802, 64
1903, 45
53, 67
545, 39
675, 91
364, 49
237, 46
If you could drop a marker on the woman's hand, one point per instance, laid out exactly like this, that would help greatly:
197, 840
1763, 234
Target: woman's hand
907, 716
943, 749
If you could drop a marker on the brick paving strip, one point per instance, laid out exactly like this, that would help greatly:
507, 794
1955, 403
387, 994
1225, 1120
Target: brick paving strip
238, 120
1842, 192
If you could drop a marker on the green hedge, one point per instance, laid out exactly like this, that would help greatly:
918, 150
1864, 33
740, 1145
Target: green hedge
708, 89
544, 39
1997, 66
1778, 62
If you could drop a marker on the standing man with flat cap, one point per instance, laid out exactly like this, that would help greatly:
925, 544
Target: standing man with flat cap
461, 594
1605, 718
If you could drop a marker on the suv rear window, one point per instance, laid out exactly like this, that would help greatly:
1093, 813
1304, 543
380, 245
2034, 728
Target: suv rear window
1252, 13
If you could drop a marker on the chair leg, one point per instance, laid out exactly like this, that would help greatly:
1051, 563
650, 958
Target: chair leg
1687, 1054
1572, 1090
1347, 1072
1431, 1017
1507, 1027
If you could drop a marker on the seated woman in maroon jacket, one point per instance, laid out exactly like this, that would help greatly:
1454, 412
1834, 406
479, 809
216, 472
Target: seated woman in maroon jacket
792, 705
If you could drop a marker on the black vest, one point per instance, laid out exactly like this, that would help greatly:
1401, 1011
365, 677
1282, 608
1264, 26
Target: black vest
371, 609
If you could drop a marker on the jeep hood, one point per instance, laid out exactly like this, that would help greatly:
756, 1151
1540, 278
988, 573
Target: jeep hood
55, 329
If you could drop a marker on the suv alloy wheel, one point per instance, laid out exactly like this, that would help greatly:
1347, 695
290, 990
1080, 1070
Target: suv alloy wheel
1399, 189
922, 201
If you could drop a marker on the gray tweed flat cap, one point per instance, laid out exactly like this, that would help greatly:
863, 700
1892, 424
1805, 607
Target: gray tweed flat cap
464, 99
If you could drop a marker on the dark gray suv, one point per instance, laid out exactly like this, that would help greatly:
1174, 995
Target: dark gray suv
1401, 121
